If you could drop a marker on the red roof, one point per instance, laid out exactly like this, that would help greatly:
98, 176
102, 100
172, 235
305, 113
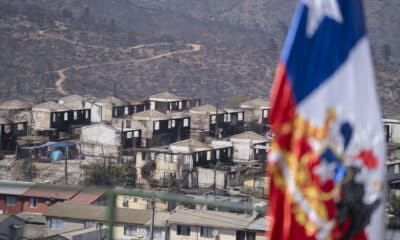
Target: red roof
50, 192
85, 198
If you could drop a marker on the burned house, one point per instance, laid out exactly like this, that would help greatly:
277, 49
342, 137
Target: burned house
175, 165
134, 106
9, 133
256, 114
161, 129
207, 118
100, 140
249, 146
14, 107
51, 116
167, 102
102, 110
73, 101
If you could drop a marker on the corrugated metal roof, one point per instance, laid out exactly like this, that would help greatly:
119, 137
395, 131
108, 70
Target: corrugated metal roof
43, 191
259, 224
85, 198
97, 213
14, 188
211, 219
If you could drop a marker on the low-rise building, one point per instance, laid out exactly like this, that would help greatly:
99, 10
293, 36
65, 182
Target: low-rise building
63, 218
134, 106
102, 110
167, 102
73, 101
17, 197
11, 108
256, 110
10, 131
249, 146
207, 119
203, 224
176, 164
162, 129
392, 130
101, 140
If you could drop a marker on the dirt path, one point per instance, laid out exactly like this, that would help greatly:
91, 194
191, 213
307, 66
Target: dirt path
62, 77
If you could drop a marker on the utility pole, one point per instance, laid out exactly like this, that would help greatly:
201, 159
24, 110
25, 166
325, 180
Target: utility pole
115, 89
216, 123
66, 166
152, 206
215, 179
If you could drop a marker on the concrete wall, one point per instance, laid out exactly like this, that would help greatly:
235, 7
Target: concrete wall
100, 134
206, 178
94, 152
41, 119
95, 112
177, 166
242, 149
201, 121
224, 234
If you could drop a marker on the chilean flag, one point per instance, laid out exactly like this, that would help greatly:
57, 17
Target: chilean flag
327, 159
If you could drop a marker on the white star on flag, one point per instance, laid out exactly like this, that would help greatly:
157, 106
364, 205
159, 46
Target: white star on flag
325, 171
317, 10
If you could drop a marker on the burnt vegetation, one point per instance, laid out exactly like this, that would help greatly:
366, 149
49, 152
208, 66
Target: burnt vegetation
240, 44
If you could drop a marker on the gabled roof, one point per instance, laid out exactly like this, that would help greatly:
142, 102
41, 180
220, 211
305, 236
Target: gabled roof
86, 198
206, 108
50, 106
255, 104
14, 188
50, 192
97, 213
249, 135
166, 96
190, 143
149, 114
208, 218
114, 101
72, 101
14, 105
